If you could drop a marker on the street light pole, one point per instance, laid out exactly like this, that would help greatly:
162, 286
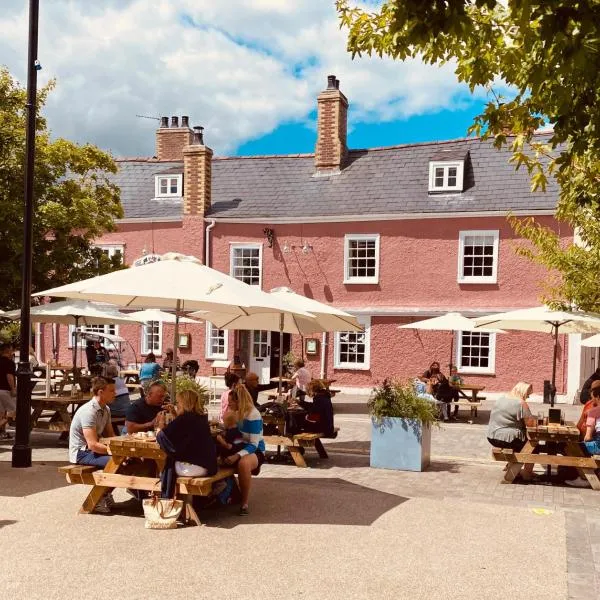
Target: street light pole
21, 452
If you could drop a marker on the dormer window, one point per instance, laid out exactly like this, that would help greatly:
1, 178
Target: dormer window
168, 186
446, 176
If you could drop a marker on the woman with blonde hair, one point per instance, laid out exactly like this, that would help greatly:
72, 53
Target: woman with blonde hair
187, 441
510, 417
249, 459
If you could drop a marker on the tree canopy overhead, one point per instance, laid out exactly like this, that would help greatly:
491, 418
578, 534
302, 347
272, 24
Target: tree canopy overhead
75, 202
548, 54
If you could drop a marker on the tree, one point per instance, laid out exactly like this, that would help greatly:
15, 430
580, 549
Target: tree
75, 201
548, 53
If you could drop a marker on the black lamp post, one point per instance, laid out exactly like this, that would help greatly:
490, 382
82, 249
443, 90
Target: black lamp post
21, 452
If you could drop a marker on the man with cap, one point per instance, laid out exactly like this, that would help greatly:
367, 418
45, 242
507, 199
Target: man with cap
584, 395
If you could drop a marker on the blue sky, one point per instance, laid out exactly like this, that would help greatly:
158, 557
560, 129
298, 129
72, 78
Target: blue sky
249, 71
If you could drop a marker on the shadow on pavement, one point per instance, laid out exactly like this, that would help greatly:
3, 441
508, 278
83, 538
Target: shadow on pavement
350, 408
40, 477
7, 522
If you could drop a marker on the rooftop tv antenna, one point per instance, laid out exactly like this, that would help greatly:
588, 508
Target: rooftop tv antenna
147, 117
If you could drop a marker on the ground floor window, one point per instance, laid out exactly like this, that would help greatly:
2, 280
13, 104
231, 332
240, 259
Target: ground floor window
353, 349
216, 342
476, 352
152, 337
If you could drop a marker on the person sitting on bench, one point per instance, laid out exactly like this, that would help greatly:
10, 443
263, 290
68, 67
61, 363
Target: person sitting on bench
439, 387
319, 418
591, 440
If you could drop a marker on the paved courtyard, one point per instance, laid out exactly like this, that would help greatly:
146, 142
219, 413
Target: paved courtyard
338, 529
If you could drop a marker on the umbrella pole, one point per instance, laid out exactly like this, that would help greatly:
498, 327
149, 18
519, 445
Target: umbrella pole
75, 375
175, 348
451, 352
280, 354
555, 355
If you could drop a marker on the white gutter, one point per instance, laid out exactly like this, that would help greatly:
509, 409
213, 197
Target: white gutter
383, 217
323, 351
207, 242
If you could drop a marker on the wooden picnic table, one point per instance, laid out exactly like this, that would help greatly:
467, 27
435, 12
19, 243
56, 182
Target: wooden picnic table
474, 389
60, 419
547, 441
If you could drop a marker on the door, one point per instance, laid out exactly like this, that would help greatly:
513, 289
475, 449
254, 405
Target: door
260, 355
588, 363
287, 343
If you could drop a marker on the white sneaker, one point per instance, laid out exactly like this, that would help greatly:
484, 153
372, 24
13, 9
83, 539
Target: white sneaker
580, 483
102, 507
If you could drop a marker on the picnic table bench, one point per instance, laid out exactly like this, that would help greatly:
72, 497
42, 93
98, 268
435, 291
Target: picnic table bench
543, 442
55, 407
472, 406
110, 477
474, 389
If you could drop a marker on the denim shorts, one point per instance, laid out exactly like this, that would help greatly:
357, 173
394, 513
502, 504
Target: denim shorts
592, 447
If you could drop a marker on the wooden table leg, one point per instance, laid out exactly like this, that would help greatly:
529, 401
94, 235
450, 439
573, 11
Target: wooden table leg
297, 456
35, 415
96, 493
190, 512
514, 468
320, 448
573, 449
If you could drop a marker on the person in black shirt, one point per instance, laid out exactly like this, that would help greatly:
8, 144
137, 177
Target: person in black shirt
584, 395
8, 388
319, 417
143, 414
439, 387
251, 383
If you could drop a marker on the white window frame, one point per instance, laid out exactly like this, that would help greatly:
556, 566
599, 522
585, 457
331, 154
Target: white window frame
144, 350
83, 328
446, 165
351, 237
112, 249
490, 369
168, 194
209, 354
241, 246
364, 366
493, 278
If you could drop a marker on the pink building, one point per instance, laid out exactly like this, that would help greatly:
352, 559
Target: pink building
391, 235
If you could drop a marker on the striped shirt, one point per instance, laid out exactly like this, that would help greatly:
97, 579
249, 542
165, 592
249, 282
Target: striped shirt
251, 428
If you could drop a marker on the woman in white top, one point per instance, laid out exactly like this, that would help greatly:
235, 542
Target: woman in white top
302, 378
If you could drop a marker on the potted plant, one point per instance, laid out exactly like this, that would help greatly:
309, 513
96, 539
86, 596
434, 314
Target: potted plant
401, 427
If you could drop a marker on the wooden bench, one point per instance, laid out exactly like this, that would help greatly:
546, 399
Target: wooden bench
295, 444
186, 487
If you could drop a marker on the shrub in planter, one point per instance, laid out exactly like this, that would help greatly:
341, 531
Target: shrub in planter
401, 427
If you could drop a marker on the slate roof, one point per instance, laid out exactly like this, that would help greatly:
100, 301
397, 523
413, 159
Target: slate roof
377, 181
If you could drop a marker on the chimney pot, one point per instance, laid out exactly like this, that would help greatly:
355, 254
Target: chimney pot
174, 121
337, 84
185, 121
198, 139
331, 82
164, 121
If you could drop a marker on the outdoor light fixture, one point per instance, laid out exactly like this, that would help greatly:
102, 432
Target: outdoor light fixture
306, 248
269, 235
286, 249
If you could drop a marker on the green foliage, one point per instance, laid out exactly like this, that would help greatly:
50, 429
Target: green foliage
74, 201
10, 332
185, 382
399, 399
548, 52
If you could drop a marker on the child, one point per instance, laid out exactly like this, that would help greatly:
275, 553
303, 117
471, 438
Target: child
233, 441
455, 382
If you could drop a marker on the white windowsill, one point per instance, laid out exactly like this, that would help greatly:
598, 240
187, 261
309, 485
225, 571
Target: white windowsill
366, 280
352, 367
476, 280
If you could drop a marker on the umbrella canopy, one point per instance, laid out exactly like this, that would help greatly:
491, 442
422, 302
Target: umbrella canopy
150, 314
452, 321
176, 282
317, 318
592, 342
544, 319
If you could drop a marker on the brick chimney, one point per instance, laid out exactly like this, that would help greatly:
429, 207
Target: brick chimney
197, 162
170, 141
331, 150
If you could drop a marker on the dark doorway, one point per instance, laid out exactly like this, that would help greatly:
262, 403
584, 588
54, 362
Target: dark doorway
287, 344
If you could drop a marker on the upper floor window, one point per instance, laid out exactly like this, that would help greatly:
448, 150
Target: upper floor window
112, 250
168, 186
216, 342
246, 263
478, 256
446, 176
361, 258
476, 352
352, 350
152, 337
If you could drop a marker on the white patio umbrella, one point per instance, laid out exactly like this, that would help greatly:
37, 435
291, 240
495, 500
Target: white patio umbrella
176, 282
76, 313
544, 319
452, 321
319, 317
592, 342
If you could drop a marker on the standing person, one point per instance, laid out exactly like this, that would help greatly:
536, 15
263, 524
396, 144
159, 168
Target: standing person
122, 401
455, 381
89, 423
231, 380
101, 357
142, 414
249, 459
585, 395
251, 383
302, 378
150, 370
168, 362
8, 388
90, 355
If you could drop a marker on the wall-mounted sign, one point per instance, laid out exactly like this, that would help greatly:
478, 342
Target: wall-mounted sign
311, 346
146, 260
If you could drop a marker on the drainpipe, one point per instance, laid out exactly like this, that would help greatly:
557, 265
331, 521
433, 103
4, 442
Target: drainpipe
38, 342
323, 353
207, 243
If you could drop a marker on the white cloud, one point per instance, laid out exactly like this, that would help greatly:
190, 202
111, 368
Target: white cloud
240, 68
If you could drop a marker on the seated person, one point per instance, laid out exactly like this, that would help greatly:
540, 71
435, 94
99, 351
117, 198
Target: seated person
231, 380
150, 370
589, 405
89, 423
455, 381
188, 443
301, 377
439, 387
191, 368
142, 415
421, 390
591, 439
586, 389
251, 384
168, 362
232, 441
319, 418
122, 401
